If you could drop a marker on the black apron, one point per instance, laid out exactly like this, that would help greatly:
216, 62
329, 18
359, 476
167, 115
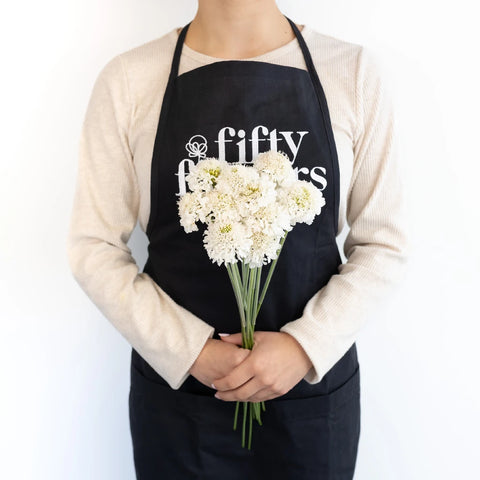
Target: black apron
235, 109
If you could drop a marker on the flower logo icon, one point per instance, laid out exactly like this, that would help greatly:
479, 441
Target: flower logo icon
197, 146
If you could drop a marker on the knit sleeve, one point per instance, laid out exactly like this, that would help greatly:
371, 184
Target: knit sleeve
103, 216
376, 246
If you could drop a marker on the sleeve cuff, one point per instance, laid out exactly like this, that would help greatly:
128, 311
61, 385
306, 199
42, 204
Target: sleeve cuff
177, 377
323, 350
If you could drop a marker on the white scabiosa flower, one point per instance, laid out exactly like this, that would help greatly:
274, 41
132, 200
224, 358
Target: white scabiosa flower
226, 242
189, 209
276, 165
249, 189
263, 250
272, 219
235, 178
221, 206
303, 201
204, 175
256, 194
247, 209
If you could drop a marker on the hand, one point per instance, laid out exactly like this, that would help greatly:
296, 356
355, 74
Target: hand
277, 362
216, 360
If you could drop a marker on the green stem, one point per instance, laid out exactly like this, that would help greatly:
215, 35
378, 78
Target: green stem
250, 304
246, 287
244, 278
237, 292
256, 408
257, 289
238, 281
244, 422
250, 431
236, 415
270, 272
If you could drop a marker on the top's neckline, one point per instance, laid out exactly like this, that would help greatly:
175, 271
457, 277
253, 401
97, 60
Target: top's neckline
277, 52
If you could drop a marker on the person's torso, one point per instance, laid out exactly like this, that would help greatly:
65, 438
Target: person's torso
202, 106
147, 68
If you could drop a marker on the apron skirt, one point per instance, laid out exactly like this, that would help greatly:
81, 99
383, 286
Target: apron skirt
182, 435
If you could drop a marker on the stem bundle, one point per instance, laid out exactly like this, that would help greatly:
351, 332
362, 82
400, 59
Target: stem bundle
246, 287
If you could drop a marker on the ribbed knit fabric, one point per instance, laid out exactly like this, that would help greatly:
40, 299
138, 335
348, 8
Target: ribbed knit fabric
113, 191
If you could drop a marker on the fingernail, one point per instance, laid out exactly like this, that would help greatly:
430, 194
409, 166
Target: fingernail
213, 386
216, 395
224, 334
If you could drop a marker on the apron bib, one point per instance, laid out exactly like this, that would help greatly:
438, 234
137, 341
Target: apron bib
233, 110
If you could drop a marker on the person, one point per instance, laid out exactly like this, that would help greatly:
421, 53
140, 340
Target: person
239, 79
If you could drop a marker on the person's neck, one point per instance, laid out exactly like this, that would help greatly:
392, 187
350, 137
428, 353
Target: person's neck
238, 28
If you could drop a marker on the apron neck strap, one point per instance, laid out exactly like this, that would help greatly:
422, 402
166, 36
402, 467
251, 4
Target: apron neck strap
298, 34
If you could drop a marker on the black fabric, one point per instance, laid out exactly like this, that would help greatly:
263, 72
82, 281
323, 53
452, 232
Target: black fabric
234, 109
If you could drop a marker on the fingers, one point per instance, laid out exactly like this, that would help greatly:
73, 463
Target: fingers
262, 395
237, 357
235, 338
251, 391
239, 375
263, 374
246, 383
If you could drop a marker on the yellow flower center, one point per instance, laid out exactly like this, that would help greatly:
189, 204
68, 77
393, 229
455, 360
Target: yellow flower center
302, 200
252, 189
214, 172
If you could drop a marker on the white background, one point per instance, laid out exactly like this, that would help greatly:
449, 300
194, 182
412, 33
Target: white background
65, 370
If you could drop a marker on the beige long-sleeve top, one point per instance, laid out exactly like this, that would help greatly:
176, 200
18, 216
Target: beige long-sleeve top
113, 191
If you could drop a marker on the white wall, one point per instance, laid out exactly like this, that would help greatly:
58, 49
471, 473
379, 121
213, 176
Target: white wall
64, 369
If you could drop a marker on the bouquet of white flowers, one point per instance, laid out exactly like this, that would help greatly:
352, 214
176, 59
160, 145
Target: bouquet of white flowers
249, 211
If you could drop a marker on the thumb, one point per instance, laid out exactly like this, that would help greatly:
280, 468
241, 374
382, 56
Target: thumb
232, 338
